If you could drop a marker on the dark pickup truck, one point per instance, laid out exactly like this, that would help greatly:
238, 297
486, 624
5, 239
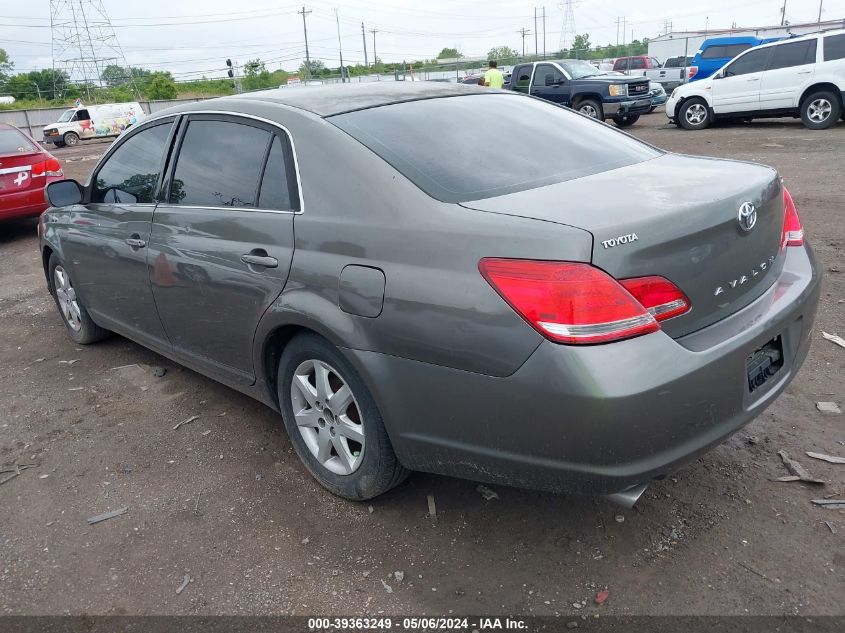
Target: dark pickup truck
581, 86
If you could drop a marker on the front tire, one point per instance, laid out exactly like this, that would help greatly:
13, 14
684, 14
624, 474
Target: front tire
626, 120
695, 114
333, 421
591, 108
820, 110
71, 138
80, 327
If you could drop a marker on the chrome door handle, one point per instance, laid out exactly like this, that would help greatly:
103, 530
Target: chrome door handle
755, 79
804, 72
260, 260
135, 242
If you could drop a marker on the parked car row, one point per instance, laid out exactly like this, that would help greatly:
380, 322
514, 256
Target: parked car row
801, 77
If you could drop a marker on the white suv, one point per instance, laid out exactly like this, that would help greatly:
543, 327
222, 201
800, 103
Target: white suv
801, 76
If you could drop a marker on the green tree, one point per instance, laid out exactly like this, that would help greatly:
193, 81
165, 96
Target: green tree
316, 68
114, 75
6, 67
161, 86
501, 52
581, 45
449, 53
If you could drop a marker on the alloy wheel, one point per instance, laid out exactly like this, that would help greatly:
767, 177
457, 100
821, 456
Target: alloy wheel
328, 416
589, 110
66, 298
696, 114
819, 110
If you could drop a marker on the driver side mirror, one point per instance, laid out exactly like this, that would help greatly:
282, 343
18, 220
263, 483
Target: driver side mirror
64, 193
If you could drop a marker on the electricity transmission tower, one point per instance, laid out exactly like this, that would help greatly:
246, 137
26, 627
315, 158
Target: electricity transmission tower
84, 41
567, 30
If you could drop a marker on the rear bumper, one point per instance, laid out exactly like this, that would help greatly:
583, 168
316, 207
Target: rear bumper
22, 204
617, 108
596, 419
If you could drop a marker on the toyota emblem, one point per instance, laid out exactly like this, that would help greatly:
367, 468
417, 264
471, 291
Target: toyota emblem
747, 216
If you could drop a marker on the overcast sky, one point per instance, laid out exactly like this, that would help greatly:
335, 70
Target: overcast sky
191, 38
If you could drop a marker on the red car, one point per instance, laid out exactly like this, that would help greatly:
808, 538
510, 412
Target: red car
25, 170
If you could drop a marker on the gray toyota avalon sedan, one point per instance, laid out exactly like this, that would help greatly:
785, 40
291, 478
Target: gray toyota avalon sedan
434, 277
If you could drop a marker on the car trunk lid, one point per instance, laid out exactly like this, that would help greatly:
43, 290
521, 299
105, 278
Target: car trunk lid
677, 217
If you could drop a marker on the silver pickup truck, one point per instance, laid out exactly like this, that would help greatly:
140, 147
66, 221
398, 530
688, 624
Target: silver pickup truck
671, 74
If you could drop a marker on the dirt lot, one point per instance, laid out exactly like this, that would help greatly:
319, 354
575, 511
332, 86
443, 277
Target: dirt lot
225, 500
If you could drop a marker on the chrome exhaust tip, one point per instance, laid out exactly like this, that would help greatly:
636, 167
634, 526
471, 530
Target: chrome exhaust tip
628, 497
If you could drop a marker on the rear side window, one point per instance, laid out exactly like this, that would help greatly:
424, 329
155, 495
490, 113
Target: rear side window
834, 47
753, 62
637, 63
13, 142
523, 78
278, 180
793, 54
219, 164
726, 50
538, 144
130, 174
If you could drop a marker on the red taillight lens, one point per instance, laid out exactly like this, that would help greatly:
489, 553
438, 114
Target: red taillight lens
50, 167
568, 302
793, 232
658, 295
692, 71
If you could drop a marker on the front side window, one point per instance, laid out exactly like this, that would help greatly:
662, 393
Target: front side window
82, 115
551, 144
752, 62
834, 47
219, 165
637, 63
793, 54
725, 51
130, 174
546, 75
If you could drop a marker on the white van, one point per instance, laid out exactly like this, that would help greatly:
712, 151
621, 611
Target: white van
97, 121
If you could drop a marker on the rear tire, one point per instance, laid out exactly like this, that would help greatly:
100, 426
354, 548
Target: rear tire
343, 445
71, 138
59, 143
820, 110
590, 108
80, 327
626, 120
695, 114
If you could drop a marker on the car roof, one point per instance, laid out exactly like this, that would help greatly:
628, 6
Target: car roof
799, 38
332, 99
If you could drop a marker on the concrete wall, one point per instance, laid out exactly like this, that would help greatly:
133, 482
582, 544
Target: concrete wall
33, 121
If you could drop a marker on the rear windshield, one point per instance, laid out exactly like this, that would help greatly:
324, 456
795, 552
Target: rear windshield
480, 146
13, 142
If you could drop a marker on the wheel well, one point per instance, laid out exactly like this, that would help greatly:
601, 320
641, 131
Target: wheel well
45, 262
581, 97
273, 348
818, 87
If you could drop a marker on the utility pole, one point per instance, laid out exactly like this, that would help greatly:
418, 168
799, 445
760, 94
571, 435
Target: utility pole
544, 32
618, 24
305, 31
821, 4
339, 46
535, 32
364, 40
523, 31
624, 26
783, 14
375, 55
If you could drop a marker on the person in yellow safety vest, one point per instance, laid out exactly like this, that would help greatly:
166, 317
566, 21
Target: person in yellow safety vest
494, 78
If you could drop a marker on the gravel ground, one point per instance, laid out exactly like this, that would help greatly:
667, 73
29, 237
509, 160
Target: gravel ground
225, 501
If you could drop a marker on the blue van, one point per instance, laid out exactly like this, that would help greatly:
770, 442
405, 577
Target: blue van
718, 51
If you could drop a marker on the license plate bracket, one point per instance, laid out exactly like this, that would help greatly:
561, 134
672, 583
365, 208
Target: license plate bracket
764, 363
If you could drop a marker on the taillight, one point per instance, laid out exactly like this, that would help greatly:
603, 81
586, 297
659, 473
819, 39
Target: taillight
793, 232
568, 302
658, 295
692, 71
50, 167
